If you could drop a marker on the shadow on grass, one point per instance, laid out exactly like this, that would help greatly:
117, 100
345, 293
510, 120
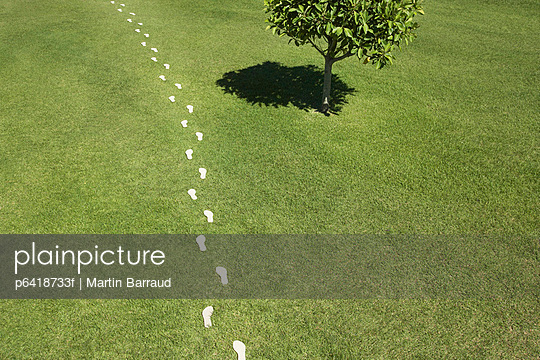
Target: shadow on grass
273, 84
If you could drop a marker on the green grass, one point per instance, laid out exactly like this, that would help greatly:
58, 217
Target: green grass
445, 141
375, 329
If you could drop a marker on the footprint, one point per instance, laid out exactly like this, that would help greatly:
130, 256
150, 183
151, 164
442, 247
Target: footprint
119, 10
162, 77
209, 215
190, 108
138, 23
129, 20
200, 241
203, 173
222, 272
167, 66
137, 30
153, 59
192, 192
184, 123
240, 349
207, 312
172, 98
154, 49
146, 35
189, 153
143, 43
179, 86
199, 135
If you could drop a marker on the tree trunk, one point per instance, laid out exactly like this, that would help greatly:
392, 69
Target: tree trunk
328, 62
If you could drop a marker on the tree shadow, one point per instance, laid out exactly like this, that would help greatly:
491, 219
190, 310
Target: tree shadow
273, 84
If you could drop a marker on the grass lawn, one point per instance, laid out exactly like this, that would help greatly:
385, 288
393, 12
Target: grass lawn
445, 141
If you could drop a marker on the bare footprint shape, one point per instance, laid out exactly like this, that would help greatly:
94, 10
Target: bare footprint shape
222, 272
240, 349
209, 215
200, 241
203, 173
207, 312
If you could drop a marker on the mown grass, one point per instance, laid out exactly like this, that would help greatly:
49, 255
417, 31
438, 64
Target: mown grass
443, 142
285, 329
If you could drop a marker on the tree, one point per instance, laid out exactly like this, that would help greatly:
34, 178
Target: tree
338, 29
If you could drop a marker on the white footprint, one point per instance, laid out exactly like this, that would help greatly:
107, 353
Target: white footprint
112, 2
189, 154
200, 241
191, 193
207, 312
222, 272
190, 108
162, 77
154, 50
153, 59
199, 135
119, 10
137, 30
138, 23
143, 43
146, 35
209, 215
240, 349
184, 123
132, 14
129, 20
172, 98
203, 173
167, 66
122, 4
179, 86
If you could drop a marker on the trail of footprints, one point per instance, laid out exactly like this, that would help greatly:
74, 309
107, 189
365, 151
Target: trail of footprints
238, 346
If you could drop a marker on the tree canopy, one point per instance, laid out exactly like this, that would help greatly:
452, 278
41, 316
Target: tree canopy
338, 29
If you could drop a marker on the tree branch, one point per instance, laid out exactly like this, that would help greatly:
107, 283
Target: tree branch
316, 47
343, 56
332, 43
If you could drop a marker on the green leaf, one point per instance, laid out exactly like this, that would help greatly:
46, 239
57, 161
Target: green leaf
370, 29
328, 28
